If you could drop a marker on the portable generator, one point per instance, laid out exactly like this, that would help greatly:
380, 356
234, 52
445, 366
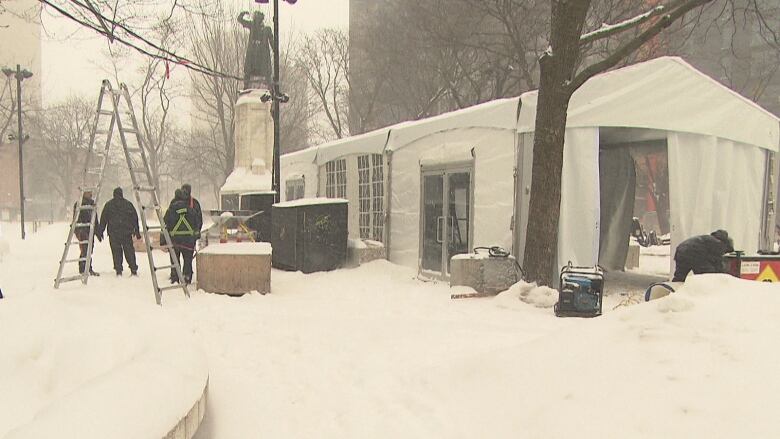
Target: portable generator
580, 292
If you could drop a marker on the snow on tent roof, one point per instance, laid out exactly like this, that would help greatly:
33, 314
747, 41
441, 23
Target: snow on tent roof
310, 202
372, 142
307, 155
500, 114
665, 93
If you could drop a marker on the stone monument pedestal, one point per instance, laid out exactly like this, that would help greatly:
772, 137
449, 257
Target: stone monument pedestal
254, 139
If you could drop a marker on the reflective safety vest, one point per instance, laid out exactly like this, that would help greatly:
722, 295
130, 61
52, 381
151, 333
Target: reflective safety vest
182, 227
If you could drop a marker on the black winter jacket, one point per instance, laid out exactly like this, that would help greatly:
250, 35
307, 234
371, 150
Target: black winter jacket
120, 217
703, 251
182, 234
84, 216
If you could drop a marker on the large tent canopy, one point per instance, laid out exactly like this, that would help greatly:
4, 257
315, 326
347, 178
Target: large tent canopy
718, 143
665, 93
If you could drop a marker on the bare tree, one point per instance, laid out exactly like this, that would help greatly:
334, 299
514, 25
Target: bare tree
65, 129
563, 72
7, 108
154, 95
324, 57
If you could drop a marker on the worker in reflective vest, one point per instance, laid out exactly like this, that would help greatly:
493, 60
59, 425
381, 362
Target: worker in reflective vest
179, 221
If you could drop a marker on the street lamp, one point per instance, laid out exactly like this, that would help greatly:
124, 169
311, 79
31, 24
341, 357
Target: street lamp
278, 98
20, 75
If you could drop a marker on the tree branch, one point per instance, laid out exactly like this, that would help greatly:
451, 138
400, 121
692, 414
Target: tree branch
631, 46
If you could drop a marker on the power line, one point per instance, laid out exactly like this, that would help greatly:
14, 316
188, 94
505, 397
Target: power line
171, 57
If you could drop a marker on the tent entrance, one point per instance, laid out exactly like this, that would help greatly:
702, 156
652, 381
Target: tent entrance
446, 220
634, 183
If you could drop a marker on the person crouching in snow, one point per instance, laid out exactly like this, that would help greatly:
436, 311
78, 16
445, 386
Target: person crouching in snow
702, 254
121, 220
82, 232
179, 221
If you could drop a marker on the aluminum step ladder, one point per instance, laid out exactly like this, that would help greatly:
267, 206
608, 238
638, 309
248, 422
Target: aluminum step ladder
144, 189
92, 181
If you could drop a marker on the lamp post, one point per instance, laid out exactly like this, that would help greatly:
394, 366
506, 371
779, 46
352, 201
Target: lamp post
278, 98
20, 75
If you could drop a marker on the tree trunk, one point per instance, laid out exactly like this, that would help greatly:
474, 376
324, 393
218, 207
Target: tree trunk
557, 69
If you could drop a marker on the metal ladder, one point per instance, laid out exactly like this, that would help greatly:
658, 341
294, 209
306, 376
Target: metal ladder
143, 185
92, 181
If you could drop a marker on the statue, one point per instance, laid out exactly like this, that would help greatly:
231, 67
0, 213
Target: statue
257, 64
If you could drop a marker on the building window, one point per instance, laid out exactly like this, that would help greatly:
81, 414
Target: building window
295, 188
364, 195
336, 179
377, 197
371, 196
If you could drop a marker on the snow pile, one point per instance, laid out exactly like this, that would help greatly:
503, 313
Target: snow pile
373, 352
79, 364
532, 294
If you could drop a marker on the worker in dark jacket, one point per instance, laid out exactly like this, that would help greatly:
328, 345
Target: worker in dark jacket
194, 204
84, 217
180, 222
121, 220
702, 254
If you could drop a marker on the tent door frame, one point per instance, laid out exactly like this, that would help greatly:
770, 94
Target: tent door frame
444, 172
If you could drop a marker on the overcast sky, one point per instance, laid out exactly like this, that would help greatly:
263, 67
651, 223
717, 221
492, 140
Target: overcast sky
73, 60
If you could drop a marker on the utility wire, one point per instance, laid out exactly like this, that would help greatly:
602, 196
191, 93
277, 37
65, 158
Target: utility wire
171, 57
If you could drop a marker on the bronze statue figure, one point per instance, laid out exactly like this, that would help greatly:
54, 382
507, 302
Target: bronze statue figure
257, 64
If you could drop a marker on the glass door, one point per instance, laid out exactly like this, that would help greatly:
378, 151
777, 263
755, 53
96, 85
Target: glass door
432, 233
458, 220
446, 219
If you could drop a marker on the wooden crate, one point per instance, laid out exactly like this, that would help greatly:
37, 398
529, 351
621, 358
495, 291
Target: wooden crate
235, 268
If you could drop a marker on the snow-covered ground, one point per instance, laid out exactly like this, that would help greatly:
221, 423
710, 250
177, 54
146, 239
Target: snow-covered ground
373, 352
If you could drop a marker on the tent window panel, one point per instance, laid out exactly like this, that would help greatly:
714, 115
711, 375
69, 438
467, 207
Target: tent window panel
295, 189
336, 179
377, 197
364, 195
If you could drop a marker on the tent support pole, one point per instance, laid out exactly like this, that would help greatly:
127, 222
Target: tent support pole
388, 201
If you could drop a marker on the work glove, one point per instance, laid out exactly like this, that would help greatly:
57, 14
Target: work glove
137, 235
99, 237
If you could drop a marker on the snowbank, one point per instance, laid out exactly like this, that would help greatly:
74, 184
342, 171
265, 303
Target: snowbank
532, 294
76, 365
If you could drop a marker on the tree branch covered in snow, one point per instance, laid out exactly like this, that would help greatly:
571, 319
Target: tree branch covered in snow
674, 13
607, 30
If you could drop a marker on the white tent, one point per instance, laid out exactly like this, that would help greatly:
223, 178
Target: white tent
719, 148
462, 179
475, 145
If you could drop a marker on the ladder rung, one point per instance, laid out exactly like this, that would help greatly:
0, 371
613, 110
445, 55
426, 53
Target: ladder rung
171, 287
150, 207
164, 267
153, 227
138, 170
83, 224
162, 247
79, 242
87, 207
76, 260
94, 170
130, 131
145, 188
106, 112
135, 150
71, 278
101, 132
